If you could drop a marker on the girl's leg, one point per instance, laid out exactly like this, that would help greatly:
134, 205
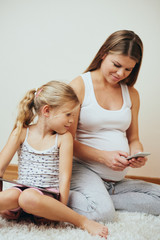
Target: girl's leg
37, 204
89, 195
137, 196
9, 207
9, 199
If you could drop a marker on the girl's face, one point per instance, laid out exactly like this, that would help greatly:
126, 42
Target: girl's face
116, 67
61, 119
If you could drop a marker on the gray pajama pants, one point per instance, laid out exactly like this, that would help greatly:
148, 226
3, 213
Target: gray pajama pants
98, 200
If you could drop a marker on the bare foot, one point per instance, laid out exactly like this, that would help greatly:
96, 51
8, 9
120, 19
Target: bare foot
95, 228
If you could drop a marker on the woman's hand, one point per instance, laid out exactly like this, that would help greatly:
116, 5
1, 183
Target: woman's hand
115, 160
137, 162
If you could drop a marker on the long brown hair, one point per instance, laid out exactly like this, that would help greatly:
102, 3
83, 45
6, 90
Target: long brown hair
54, 93
123, 42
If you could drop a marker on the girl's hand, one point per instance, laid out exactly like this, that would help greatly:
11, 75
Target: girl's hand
115, 160
137, 162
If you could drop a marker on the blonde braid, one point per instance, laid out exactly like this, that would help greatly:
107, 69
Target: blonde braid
26, 112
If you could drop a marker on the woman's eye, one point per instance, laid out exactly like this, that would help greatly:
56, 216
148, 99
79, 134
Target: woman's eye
68, 114
118, 66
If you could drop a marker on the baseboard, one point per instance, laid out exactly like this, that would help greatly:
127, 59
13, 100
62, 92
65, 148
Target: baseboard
147, 179
11, 173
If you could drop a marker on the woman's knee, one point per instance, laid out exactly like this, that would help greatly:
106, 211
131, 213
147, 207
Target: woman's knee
103, 210
105, 213
98, 209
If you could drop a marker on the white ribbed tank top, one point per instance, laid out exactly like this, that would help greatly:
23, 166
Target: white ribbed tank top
103, 129
38, 168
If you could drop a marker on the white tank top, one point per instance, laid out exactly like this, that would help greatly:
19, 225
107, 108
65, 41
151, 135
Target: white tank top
38, 168
103, 129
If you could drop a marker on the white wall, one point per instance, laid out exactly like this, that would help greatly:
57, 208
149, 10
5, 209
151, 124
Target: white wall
42, 40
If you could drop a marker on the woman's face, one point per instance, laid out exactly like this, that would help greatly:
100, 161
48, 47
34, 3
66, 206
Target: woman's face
116, 67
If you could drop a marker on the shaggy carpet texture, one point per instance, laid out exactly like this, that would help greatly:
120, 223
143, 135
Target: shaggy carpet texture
127, 226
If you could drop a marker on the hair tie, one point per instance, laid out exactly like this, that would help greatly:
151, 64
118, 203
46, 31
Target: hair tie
37, 94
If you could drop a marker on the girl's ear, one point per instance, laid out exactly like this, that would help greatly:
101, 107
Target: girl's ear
46, 110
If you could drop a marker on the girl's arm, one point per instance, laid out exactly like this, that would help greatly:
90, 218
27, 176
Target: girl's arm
9, 150
112, 159
65, 165
133, 132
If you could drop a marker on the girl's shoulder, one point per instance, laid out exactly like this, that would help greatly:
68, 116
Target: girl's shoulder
18, 138
23, 134
65, 138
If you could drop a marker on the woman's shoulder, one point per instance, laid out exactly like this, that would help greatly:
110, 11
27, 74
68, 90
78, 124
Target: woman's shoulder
77, 83
134, 95
133, 92
78, 86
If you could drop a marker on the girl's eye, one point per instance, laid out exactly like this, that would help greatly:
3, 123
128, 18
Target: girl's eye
68, 114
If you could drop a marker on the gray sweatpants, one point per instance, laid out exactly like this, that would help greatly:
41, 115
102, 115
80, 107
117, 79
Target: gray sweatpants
98, 200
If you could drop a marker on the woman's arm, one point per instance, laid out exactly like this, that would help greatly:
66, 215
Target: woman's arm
65, 165
112, 159
133, 132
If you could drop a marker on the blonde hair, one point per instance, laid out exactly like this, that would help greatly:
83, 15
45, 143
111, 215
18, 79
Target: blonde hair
123, 42
54, 93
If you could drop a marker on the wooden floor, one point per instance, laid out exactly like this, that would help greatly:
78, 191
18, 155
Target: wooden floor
11, 173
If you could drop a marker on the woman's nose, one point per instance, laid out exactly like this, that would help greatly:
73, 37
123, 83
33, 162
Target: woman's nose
121, 72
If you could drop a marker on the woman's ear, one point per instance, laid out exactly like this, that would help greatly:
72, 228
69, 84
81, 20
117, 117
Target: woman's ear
46, 110
104, 56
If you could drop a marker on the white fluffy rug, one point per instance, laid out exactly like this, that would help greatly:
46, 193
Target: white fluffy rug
127, 226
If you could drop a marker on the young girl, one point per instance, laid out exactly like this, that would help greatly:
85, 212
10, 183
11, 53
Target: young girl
44, 157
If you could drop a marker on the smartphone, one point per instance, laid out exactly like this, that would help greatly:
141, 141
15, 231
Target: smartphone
140, 154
